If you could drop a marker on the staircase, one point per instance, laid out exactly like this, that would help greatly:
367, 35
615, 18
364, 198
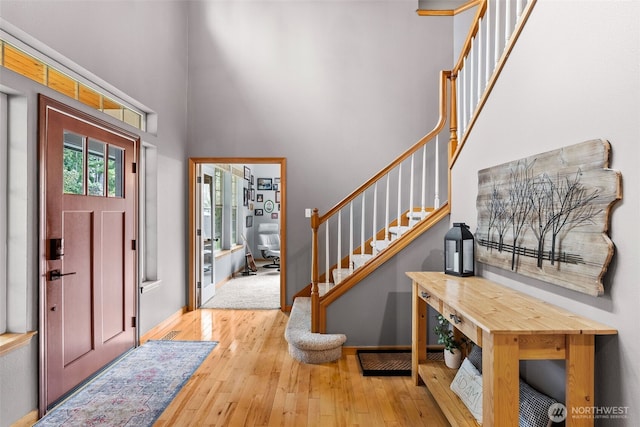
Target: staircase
402, 201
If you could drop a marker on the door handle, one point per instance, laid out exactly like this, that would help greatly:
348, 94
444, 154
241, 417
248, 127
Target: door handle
56, 275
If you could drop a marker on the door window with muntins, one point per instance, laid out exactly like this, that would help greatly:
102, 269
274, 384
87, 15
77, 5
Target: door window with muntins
85, 170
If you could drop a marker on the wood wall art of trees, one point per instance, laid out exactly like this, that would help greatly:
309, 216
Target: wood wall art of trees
547, 216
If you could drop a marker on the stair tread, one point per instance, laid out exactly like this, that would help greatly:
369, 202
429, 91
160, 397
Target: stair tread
325, 287
339, 274
298, 330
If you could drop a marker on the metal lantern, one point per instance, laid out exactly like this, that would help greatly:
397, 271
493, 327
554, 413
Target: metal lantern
459, 251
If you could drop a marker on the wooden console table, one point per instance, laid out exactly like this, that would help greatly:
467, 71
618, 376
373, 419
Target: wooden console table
509, 326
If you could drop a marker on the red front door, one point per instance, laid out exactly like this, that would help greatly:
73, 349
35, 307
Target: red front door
88, 273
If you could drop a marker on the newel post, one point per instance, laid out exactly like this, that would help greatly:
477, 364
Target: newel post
315, 295
453, 117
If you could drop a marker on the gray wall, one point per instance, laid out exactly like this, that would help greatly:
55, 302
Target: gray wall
301, 80
377, 312
142, 58
573, 76
140, 48
338, 88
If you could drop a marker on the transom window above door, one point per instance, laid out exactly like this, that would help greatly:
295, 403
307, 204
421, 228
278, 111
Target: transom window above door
67, 83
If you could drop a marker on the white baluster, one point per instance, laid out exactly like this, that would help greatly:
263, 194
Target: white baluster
339, 263
411, 194
467, 78
488, 44
350, 237
496, 52
459, 104
436, 200
386, 213
326, 255
464, 97
507, 22
364, 198
375, 217
399, 197
480, 39
424, 179
471, 82
519, 9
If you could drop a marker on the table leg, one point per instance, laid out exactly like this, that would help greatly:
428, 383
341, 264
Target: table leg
419, 334
500, 380
579, 379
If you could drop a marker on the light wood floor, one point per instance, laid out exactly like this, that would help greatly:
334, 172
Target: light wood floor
249, 379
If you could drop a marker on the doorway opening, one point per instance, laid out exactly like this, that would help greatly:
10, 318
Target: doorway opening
232, 201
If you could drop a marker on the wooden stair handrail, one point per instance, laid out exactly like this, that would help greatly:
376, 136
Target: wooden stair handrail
459, 143
442, 119
473, 30
320, 304
448, 12
395, 247
316, 220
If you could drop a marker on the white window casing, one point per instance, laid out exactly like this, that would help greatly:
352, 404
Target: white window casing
3, 212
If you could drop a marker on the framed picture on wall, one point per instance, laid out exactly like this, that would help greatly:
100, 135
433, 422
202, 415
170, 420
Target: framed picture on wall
277, 197
247, 173
245, 197
259, 212
264, 184
274, 215
249, 221
253, 194
260, 197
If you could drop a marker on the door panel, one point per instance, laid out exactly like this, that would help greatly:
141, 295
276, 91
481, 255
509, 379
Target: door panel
114, 296
77, 298
89, 193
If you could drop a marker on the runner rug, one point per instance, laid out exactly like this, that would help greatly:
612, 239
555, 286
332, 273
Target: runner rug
136, 389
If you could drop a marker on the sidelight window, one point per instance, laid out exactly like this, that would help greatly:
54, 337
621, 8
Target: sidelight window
3, 212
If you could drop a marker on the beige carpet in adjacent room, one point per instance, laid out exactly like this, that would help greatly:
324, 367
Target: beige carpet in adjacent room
257, 292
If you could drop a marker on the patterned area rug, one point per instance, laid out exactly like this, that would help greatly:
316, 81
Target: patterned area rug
136, 389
